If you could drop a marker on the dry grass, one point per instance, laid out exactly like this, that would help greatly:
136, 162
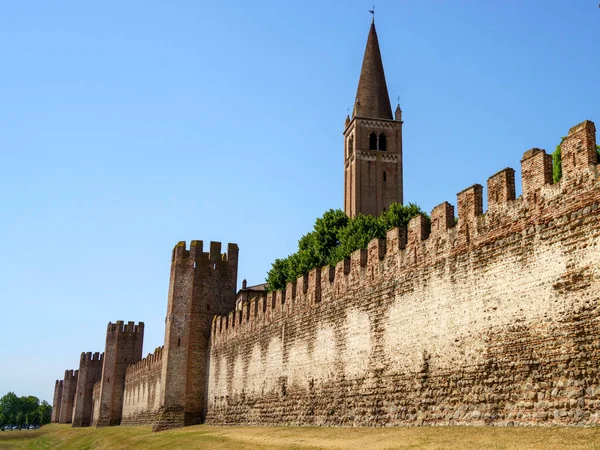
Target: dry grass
206, 437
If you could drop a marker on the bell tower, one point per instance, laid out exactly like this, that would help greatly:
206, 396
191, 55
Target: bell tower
372, 141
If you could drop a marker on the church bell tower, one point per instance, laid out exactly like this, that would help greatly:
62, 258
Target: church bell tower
372, 141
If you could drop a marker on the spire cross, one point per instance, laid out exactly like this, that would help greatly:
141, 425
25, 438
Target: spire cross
398, 98
372, 11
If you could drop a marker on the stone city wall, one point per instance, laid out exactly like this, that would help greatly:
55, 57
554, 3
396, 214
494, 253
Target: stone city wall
141, 400
492, 319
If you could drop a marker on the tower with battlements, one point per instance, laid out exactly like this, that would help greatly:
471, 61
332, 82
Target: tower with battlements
90, 372
202, 284
68, 396
57, 401
123, 347
372, 141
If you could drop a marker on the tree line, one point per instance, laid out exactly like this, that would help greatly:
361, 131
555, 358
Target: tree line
334, 237
26, 410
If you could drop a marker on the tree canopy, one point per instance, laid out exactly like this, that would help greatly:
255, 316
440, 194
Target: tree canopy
26, 410
334, 237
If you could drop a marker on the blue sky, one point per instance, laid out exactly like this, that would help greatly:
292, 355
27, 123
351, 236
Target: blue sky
128, 126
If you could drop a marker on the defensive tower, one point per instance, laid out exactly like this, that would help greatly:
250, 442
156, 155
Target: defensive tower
201, 285
90, 372
372, 141
123, 347
57, 400
68, 396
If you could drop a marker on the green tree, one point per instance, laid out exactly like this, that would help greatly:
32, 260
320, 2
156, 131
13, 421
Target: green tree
327, 234
29, 407
399, 215
357, 235
45, 413
10, 407
278, 275
26, 410
334, 237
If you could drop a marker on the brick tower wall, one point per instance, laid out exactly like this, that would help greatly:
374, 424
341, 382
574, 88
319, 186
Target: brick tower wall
202, 284
90, 372
372, 178
68, 396
57, 401
123, 347
143, 386
96, 402
492, 320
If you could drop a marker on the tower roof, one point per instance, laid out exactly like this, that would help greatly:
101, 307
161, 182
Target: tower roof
372, 98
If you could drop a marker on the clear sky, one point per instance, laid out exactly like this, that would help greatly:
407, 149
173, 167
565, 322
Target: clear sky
128, 126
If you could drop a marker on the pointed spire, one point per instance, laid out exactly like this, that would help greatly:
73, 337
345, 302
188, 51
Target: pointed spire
372, 98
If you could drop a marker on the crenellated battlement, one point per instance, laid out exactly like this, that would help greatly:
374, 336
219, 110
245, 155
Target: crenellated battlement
122, 328
425, 242
150, 362
70, 375
96, 357
196, 257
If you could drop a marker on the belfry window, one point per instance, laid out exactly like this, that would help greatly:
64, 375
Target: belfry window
378, 142
372, 141
382, 142
350, 145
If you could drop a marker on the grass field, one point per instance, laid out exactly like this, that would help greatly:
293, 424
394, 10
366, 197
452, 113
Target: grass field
205, 437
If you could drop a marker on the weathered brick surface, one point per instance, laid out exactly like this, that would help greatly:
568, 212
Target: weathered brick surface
141, 401
96, 402
57, 401
124, 343
68, 396
202, 284
491, 321
90, 372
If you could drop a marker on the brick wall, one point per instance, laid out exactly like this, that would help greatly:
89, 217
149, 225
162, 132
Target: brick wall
491, 321
57, 401
90, 372
68, 396
96, 402
141, 401
124, 342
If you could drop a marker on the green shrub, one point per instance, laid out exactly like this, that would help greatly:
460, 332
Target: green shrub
334, 237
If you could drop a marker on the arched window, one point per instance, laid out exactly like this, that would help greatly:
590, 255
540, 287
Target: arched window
372, 141
382, 142
350, 145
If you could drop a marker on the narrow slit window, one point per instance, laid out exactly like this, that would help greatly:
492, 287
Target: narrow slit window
384, 176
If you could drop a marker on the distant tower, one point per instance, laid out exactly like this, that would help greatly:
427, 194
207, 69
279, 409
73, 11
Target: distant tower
202, 284
68, 396
90, 372
372, 141
124, 343
57, 402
